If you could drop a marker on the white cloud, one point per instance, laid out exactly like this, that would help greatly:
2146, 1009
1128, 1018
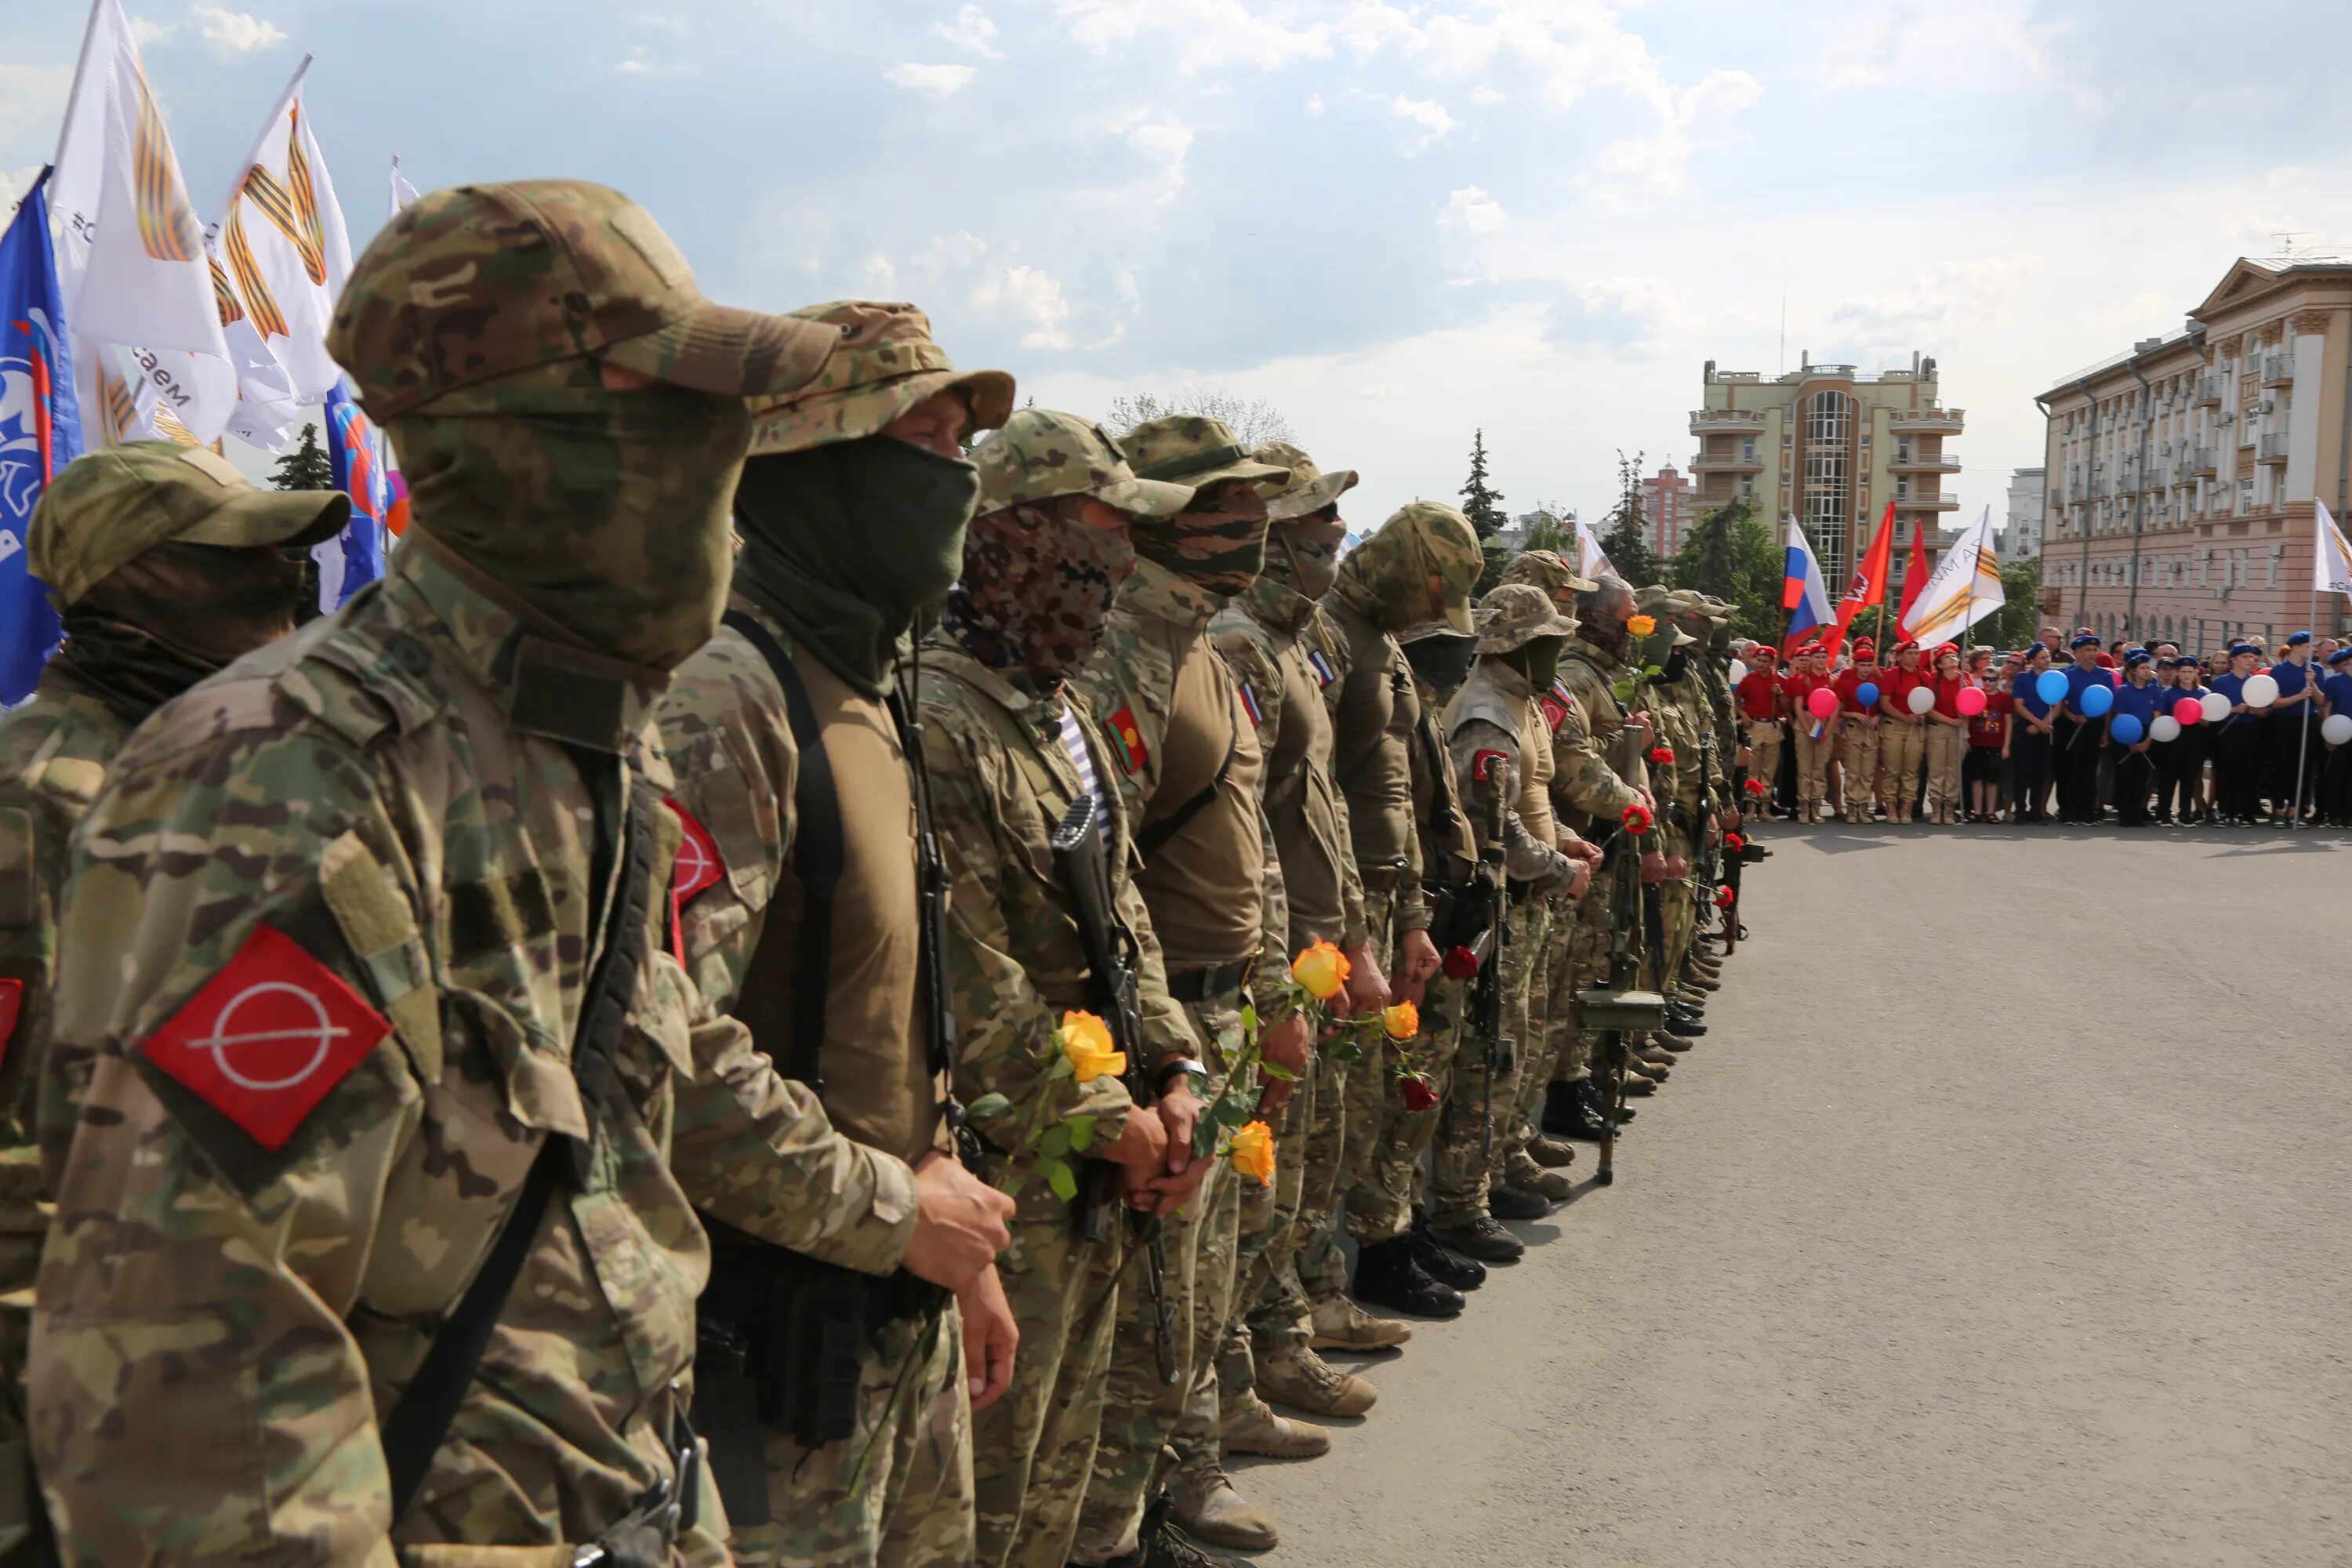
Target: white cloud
878, 276
1658, 164
1429, 115
1205, 35
1484, 96
666, 23
1032, 296
236, 32
1905, 44
970, 31
937, 83
1165, 144
642, 62
1470, 210
1314, 103
144, 32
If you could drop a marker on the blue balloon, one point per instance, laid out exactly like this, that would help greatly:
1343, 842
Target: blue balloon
2096, 700
1866, 694
2051, 686
2126, 728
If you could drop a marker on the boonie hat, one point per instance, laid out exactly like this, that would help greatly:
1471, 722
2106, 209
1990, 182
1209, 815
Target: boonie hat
1311, 490
1516, 615
1194, 449
106, 510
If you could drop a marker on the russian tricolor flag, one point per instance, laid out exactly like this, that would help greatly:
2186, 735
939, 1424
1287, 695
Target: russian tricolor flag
1802, 594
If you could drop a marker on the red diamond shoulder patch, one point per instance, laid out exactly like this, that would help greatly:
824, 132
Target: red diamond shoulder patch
263, 1041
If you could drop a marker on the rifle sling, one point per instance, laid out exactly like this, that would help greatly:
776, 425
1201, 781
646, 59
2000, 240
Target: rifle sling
420, 1418
817, 859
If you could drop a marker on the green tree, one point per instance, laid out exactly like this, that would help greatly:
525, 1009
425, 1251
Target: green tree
1704, 562
1554, 532
2015, 623
1254, 421
305, 467
1496, 557
1623, 535
1483, 504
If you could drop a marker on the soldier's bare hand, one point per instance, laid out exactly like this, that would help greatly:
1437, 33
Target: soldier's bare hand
1368, 988
1579, 878
1179, 1114
1654, 867
990, 1337
1677, 868
960, 1224
1141, 1149
1578, 849
1417, 964
1640, 719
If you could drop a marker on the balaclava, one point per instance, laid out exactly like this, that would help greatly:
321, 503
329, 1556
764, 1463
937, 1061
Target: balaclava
1036, 589
850, 542
605, 511
1306, 557
1538, 658
151, 629
1218, 543
1443, 661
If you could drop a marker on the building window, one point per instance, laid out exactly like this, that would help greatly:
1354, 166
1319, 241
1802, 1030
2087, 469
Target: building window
1829, 438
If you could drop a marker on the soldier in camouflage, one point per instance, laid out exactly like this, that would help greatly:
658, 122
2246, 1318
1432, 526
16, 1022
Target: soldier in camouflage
333, 1038
165, 565
1500, 752
1420, 567
1186, 760
1009, 747
852, 512
1678, 769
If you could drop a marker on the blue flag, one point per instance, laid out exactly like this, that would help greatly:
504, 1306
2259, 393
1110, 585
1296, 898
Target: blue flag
40, 432
352, 449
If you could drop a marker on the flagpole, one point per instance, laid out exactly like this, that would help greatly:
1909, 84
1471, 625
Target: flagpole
2310, 682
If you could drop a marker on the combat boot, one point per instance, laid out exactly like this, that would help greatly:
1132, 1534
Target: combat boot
1563, 1111
1202, 1502
1340, 1325
1387, 1276
1552, 1153
1684, 1022
1481, 1239
1304, 1381
1702, 980
1668, 1040
1442, 1263
1654, 1062
1557, 1185
1639, 1082
1262, 1433
1505, 1201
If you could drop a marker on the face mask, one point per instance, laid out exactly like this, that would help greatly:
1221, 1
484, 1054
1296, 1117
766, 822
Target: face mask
1677, 662
1443, 662
1310, 554
1606, 633
1220, 549
1036, 590
178, 612
604, 511
1540, 661
850, 543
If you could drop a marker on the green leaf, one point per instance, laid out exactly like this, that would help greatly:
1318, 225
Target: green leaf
1249, 1017
1056, 1141
1204, 1137
1230, 1113
1058, 1177
989, 1105
1014, 1180
1276, 1070
1082, 1132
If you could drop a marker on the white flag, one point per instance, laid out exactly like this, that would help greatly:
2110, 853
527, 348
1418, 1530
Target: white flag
1590, 560
131, 251
403, 193
1964, 588
283, 241
2331, 557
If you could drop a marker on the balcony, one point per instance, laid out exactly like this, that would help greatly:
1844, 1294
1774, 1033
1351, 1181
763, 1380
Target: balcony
1925, 463
2273, 449
2207, 461
1703, 420
1947, 421
1929, 500
2278, 370
1728, 463
2185, 472
2209, 391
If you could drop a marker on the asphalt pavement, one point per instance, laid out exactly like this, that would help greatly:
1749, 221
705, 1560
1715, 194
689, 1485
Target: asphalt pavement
2004, 1216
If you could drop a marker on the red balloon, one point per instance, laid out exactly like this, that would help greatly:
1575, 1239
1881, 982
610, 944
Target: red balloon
2189, 711
1970, 701
1822, 703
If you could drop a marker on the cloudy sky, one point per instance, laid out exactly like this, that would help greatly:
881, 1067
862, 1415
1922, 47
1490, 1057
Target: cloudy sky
1397, 220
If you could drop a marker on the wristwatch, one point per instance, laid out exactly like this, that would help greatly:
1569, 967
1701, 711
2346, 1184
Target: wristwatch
1181, 1065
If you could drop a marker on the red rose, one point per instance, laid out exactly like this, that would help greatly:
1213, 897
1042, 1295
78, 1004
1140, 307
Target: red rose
1636, 820
1663, 755
1755, 786
1460, 963
1733, 842
1420, 1094
1724, 897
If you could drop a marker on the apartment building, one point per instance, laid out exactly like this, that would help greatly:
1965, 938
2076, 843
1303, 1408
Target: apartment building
2020, 529
1667, 508
1832, 447
2182, 473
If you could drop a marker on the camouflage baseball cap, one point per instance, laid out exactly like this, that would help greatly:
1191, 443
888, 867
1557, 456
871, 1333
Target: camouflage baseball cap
108, 508
481, 281
1547, 570
1040, 455
883, 362
1194, 449
1391, 571
1311, 490
1516, 615
1657, 599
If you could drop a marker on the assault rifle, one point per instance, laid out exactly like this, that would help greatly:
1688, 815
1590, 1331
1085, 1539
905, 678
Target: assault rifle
1493, 886
1621, 1006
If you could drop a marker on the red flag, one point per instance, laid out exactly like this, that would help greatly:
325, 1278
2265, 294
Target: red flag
1869, 585
1915, 576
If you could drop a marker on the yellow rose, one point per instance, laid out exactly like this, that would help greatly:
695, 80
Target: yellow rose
1403, 1021
1085, 1041
1642, 625
1322, 969
1252, 1153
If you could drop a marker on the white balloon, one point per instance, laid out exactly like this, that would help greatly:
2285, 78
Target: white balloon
2337, 730
1738, 670
2216, 706
2260, 691
1921, 698
2163, 727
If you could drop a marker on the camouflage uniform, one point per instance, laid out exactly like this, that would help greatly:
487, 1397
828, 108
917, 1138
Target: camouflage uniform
1188, 765
899, 1488
1492, 734
997, 750
394, 837
1588, 678
101, 514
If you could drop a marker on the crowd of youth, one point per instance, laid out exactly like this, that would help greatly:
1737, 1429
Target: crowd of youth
821, 974
2060, 731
